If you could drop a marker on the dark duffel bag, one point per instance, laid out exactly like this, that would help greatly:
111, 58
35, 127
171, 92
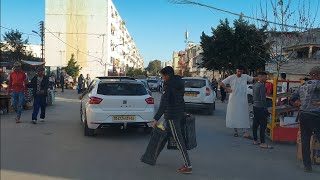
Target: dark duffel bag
188, 128
157, 142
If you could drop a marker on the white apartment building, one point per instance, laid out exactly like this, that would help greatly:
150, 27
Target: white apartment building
94, 32
34, 49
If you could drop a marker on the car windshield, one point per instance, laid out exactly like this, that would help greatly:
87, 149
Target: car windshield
121, 89
194, 83
152, 81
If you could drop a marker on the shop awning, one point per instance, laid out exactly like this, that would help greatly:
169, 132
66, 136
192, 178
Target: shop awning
33, 63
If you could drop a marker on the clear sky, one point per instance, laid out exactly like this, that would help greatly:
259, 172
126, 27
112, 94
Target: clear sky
157, 26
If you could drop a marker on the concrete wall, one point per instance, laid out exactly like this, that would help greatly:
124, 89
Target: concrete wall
295, 69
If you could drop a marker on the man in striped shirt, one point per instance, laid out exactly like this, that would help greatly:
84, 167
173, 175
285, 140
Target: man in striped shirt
308, 98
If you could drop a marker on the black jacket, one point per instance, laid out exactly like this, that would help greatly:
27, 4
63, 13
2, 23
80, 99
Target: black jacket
44, 86
172, 103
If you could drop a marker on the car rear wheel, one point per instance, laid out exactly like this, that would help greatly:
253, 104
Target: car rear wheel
87, 130
81, 114
211, 108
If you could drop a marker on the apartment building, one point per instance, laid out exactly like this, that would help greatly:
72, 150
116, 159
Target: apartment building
94, 32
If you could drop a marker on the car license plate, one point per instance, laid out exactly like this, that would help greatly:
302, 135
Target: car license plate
190, 95
123, 118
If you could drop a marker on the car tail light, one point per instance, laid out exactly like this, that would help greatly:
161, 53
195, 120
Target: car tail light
208, 92
150, 100
95, 100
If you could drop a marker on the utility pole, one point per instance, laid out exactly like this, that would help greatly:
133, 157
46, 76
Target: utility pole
42, 39
41, 34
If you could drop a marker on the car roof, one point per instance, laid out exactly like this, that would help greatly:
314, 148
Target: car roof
116, 77
198, 78
124, 81
142, 80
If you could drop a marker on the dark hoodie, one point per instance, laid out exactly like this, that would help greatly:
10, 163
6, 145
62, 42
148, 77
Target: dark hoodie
172, 103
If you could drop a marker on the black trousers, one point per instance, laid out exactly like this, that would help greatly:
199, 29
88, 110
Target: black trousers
309, 124
175, 128
62, 86
260, 119
40, 102
223, 94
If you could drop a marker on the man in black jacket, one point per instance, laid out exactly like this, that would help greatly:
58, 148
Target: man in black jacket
40, 85
173, 107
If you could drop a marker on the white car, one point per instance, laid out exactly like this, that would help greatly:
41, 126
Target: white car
116, 102
146, 85
153, 84
199, 94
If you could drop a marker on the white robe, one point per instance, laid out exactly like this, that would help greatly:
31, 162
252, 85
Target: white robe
237, 111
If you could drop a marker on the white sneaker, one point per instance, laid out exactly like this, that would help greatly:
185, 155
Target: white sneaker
41, 120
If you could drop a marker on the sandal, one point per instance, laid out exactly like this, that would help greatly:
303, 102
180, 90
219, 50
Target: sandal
266, 147
256, 143
248, 137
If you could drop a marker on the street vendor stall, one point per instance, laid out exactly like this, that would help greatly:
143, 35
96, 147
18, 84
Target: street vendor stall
283, 125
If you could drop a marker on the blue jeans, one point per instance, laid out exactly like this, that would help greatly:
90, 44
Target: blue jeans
79, 88
39, 102
17, 102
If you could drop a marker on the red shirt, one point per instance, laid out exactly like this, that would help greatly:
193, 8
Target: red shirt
17, 81
269, 88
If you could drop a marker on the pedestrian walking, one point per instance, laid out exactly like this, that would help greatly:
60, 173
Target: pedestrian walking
40, 85
87, 81
80, 83
62, 81
307, 97
260, 111
17, 85
237, 111
214, 83
172, 106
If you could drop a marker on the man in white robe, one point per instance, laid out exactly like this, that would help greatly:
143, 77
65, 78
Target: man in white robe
237, 111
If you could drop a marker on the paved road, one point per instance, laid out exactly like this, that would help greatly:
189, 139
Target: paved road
57, 149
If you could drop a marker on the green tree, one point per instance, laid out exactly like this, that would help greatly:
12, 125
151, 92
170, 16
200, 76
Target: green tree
154, 67
132, 72
228, 47
217, 49
13, 48
249, 49
73, 69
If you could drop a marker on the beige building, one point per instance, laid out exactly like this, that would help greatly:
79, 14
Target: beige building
298, 52
94, 32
